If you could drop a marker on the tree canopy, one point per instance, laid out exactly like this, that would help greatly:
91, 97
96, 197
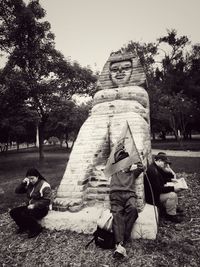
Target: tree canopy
36, 75
172, 67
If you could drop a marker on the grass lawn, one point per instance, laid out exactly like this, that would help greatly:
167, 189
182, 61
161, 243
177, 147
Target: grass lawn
13, 167
171, 144
176, 245
185, 164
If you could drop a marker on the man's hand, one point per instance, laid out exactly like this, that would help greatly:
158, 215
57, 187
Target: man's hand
174, 180
26, 181
140, 166
177, 189
167, 168
31, 206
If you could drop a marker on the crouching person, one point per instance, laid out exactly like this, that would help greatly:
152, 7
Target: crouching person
123, 205
157, 175
39, 200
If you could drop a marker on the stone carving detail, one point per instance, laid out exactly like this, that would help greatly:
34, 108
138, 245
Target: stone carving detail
120, 97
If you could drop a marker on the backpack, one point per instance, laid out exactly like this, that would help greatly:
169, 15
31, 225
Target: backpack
103, 235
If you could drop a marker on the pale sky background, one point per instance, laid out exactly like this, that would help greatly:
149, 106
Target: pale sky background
89, 30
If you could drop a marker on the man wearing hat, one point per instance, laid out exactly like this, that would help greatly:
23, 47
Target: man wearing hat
157, 175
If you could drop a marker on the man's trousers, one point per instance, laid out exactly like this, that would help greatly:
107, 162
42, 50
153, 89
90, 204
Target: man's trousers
123, 208
27, 219
169, 201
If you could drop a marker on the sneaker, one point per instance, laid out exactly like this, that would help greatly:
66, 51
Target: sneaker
179, 210
20, 231
34, 233
173, 218
162, 212
120, 252
127, 240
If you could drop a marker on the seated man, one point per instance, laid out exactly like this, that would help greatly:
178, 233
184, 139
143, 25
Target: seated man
38, 192
123, 206
158, 174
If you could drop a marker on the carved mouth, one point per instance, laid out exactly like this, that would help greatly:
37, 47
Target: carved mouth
120, 76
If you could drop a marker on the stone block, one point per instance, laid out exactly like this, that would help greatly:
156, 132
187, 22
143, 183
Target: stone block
145, 226
63, 194
83, 221
92, 190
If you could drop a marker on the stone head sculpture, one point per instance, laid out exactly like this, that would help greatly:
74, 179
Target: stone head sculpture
122, 69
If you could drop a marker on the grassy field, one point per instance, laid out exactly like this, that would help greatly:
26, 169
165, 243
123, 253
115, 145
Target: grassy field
13, 167
176, 244
171, 144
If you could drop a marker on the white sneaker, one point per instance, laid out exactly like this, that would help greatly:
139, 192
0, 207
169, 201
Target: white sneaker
120, 252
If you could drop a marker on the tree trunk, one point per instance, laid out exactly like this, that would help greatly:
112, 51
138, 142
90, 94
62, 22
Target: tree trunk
73, 142
66, 138
67, 145
41, 140
174, 127
61, 142
17, 146
37, 136
153, 136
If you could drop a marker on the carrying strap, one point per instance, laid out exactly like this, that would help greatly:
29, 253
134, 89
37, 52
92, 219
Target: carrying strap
87, 245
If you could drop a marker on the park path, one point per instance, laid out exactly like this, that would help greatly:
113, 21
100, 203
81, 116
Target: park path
178, 153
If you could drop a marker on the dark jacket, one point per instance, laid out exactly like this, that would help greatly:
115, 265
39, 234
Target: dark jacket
157, 178
38, 194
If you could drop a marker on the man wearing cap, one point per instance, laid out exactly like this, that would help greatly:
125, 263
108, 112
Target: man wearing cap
123, 203
158, 174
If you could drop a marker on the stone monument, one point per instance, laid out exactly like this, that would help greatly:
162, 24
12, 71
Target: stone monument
120, 97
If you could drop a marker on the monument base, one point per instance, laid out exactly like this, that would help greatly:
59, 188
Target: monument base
85, 221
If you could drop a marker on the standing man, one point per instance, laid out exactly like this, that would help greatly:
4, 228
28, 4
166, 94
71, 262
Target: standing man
158, 174
123, 203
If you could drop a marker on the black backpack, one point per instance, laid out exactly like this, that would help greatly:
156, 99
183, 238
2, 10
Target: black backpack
103, 239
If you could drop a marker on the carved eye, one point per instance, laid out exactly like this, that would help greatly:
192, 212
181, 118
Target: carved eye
114, 69
127, 66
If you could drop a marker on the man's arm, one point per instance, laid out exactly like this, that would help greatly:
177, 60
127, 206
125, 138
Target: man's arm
140, 168
168, 173
22, 188
45, 201
157, 183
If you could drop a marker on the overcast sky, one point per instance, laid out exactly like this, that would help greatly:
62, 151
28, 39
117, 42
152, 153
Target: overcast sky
89, 30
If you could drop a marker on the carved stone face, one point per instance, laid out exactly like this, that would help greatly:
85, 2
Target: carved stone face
120, 72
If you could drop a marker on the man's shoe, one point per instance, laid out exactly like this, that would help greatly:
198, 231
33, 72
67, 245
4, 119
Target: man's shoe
173, 218
34, 233
127, 240
162, 212
20, 231
179, 210
120, 252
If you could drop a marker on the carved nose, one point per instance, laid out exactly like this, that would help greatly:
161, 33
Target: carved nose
120, 69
